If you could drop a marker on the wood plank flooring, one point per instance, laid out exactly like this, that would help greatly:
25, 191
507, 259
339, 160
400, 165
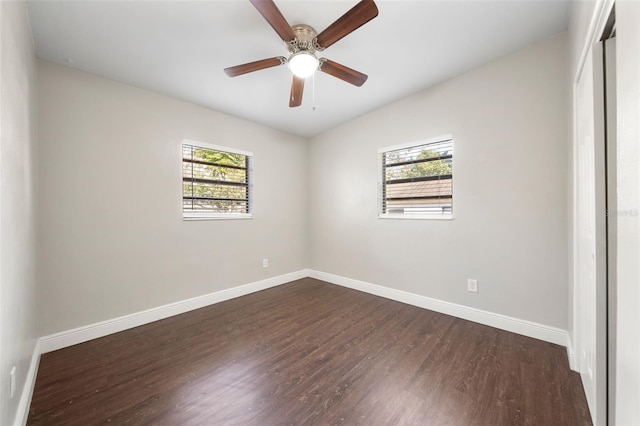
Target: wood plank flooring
309, 352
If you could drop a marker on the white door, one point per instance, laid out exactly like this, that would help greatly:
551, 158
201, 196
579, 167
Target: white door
590, 245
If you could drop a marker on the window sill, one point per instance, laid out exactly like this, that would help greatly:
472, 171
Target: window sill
416, 216
217, 217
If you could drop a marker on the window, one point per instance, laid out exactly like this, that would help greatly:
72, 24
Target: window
416, 180
215, 182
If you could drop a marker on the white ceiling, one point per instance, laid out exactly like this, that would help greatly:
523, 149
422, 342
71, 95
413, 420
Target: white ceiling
180, 48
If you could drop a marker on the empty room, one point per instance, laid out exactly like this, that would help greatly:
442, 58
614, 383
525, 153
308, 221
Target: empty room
370, 212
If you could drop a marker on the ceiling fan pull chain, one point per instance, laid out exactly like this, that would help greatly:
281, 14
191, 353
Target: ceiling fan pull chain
313, 88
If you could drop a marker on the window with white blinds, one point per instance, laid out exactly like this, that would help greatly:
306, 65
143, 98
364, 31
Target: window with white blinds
416, 180
216, 182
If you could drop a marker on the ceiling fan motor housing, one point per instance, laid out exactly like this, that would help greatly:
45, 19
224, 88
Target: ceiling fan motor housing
304, 41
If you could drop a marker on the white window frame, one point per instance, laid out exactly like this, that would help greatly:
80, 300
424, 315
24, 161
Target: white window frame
381, 177
189, 216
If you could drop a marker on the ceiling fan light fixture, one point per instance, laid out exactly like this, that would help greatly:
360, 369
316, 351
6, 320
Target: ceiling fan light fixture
302, 42
303, 64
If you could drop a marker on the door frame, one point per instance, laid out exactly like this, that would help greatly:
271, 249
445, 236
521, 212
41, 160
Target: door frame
598, 397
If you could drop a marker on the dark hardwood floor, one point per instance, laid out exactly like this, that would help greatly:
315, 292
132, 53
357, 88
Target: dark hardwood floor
309, 352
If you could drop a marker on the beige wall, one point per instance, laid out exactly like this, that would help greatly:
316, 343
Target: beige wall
509, 120
112, 238
18, 319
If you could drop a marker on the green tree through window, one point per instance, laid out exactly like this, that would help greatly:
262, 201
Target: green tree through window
214, 180
431, 168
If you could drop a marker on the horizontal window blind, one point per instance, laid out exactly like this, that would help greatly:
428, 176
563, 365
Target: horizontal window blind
418, 180
214, 181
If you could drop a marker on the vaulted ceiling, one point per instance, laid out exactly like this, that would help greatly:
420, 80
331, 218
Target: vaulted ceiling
180, 48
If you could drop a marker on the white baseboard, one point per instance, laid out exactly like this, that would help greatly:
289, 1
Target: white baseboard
527, 328
571, 355
89, 332
27, 391
503, 322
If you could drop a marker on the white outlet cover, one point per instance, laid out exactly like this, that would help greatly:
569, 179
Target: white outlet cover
472, 285
265, 263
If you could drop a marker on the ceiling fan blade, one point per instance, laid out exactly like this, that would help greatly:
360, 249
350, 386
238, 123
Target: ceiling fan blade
343, 73
297, 87
272, 14
254, 66
359, 15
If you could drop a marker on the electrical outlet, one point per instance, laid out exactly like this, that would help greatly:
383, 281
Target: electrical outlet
12, 382
472, 285
265, 263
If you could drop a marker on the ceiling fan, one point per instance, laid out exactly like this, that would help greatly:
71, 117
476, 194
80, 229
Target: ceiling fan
303, 42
